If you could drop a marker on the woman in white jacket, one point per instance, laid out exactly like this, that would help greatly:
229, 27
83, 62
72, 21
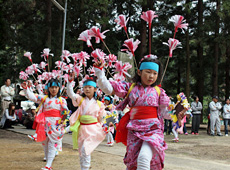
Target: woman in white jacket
9, 117
226, 116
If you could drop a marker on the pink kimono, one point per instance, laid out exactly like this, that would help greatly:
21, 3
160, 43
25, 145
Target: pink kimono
89, 135
139, 130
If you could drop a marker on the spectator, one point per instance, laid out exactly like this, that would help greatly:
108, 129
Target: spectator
226, 116
7, 93
215, 107
29, 118
9, 117
196, 107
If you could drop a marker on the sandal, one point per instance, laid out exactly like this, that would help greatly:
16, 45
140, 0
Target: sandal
46, 168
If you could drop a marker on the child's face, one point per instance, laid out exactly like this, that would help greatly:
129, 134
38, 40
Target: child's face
89, 91
148, 77
107, 102
13, 107
53, 90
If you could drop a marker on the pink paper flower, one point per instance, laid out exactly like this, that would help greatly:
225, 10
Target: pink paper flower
148, 16
111, 59
23, 75
69, 67
66, 76
118, 77
46, 53
85, 36
91, 70
121, 21
56, 73
131, 45
173, 44
39, 78
95, 32
43, 65
82, 57
28, 54
59, 64
65, 55
77, 70
122, 69
179, 22
29, 70
98, 55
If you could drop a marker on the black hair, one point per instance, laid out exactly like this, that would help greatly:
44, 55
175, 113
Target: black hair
51, 81
10, 109
194, 97
111, 100
91, 78
137, 78
227, 99
7, 79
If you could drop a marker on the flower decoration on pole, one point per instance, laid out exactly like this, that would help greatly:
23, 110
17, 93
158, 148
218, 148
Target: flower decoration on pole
85, 36
95, 32
122, 69
111, 59
131, 47
65, 55
122, 22
179, 22
43, 65
28, 54
98, 55
148, 16
82, 57
173, 44
23, 75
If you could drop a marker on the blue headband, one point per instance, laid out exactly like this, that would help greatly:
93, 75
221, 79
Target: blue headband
90, 83
54, 84
107, 98
150, 66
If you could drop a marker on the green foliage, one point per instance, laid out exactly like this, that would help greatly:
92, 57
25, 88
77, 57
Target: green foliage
24, 27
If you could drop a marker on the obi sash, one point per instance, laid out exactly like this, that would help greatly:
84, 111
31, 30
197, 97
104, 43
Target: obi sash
82, 120
40, 119
139, 112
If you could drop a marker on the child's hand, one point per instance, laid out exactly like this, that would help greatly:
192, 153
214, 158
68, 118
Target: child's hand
24, 85
98, 64
71, 76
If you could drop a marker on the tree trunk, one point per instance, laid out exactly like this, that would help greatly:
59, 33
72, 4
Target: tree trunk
216, 51
200, 80
227, 71
178, 77
49, 29
187, 89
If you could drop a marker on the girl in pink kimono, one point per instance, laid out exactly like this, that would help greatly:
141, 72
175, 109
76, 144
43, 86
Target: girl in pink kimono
50, 119
142, 128
86, 122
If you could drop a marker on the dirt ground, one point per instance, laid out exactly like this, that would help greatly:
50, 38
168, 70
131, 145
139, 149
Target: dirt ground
19, 153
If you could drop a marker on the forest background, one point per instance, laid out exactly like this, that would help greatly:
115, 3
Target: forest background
200, 68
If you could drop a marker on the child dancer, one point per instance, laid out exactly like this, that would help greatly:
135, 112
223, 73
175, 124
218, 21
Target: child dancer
110, 132
182, 106
50, 119
86, 121
148, 102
